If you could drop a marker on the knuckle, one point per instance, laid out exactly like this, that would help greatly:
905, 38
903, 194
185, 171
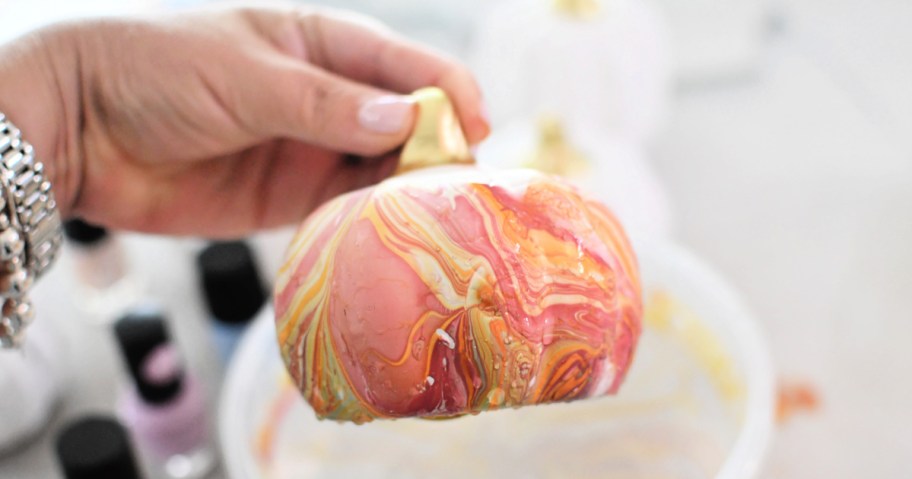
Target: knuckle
314, 106
457, 74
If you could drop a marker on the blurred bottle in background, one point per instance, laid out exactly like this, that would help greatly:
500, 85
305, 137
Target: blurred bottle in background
165, 409
96, 447
233, 290
105, 287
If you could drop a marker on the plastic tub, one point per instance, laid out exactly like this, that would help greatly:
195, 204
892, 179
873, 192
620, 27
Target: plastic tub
698, 402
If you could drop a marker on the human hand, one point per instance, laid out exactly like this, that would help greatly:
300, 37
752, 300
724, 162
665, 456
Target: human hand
220, 122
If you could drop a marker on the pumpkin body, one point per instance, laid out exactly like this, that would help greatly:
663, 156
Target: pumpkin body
456, 290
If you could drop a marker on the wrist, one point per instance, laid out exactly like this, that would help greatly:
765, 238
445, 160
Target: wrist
39, 94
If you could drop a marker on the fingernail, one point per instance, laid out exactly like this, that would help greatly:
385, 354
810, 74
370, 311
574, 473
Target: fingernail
484, 124
385, 114
484, 114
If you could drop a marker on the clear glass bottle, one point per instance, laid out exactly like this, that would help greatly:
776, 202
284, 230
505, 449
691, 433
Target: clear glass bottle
104, 286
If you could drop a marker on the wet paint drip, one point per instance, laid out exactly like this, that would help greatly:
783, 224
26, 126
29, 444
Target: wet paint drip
265, 441
795, 398
453, 291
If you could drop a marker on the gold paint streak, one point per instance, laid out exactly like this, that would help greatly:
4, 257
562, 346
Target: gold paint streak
408, 346
665, 314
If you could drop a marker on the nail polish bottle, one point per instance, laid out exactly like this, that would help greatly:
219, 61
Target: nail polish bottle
101, 268
96, 447
233, 291
166, 408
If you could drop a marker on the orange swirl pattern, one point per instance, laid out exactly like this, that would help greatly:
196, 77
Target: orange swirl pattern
455, 291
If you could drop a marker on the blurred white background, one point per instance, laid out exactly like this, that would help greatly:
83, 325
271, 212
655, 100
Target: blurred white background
787, 159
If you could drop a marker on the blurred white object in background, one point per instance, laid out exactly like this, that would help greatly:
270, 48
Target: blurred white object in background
270, 247
609, 67
611, 169
31, 381
444, 24
21, 17
715, 40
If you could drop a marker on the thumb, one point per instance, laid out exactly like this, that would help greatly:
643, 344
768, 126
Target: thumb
318, 107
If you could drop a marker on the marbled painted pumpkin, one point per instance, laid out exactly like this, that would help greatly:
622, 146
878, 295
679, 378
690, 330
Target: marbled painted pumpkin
456, 290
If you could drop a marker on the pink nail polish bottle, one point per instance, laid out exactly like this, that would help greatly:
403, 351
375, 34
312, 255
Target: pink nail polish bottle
166, 408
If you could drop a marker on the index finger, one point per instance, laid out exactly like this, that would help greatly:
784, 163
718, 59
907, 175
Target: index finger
354, 48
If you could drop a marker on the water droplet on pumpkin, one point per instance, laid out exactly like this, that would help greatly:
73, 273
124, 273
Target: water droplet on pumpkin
418, 348
525, 369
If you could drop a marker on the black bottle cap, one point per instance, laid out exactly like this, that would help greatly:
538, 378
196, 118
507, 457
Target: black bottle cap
78, 231
96, 447
231, 282
139, 334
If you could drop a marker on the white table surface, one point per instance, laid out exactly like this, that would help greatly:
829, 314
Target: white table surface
798, 187
796, 184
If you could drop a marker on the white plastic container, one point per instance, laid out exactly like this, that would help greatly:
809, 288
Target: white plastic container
698, 402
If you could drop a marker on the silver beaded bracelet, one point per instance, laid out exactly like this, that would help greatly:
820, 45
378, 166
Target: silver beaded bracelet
30, 230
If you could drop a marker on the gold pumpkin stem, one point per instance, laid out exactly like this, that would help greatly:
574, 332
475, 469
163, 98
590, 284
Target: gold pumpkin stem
579, 9
437, 138
555, 155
